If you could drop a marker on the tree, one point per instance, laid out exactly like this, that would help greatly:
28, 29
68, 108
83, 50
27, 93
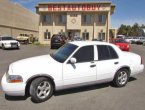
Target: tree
128, 30
135, 30
122, 30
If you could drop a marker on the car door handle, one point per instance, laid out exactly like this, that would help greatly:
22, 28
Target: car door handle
92, 66
116, 63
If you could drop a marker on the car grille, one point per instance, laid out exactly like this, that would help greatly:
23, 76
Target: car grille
14, 44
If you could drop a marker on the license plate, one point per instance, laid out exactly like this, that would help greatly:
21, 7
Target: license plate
14, 46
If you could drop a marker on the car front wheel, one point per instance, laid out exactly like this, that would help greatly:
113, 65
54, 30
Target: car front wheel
3, 47
121, 78
41, 89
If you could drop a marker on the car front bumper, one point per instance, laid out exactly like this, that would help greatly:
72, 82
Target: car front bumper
13, 89
11, 46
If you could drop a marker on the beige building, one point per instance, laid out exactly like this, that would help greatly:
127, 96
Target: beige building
16, 20
88, 20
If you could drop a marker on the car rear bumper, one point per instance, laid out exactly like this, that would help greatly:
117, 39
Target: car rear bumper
139, 70
125, 49
13, 89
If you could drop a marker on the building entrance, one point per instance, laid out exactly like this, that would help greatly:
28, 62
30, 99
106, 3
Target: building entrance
73, 33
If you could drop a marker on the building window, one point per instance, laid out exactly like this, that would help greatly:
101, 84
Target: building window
47, 35
85, 35
101, 36
102, 19
46, 19
62, 19
73, 15
86, 19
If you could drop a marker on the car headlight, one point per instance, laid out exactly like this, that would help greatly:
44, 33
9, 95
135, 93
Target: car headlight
6, 44
14, 78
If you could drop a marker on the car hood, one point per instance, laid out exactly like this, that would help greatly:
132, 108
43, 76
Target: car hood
9, 41
36, 65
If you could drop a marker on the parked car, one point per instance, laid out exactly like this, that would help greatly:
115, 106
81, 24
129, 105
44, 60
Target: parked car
26, 38
97, 39
129, 39
74, 64
134, 40
57, 41
8, 42
77, 39
141, 40
121, 36
122, 44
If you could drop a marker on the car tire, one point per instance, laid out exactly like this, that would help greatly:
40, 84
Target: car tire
3, 47
41, 89
121, 78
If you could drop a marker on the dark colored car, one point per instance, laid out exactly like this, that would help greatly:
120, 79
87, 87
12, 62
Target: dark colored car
57, 41
97, 39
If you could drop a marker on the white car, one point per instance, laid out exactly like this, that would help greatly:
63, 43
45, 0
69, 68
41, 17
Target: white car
8, 42
75, 64
129, 39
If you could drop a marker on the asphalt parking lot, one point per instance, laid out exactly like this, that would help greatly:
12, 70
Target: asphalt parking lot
101, 97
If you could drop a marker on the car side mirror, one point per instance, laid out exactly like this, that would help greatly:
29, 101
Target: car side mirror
73, 60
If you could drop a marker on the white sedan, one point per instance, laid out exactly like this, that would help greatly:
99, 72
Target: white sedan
75, 64
8, 42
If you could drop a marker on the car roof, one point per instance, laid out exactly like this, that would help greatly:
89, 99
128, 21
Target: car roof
84, 43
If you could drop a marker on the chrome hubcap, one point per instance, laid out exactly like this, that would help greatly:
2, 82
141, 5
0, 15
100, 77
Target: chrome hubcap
43, 89
122, 77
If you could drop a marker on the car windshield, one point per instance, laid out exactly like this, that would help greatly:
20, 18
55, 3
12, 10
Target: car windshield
7, 38
64, 52
119, 41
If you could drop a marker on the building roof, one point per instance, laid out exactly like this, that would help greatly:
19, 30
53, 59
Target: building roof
43, 3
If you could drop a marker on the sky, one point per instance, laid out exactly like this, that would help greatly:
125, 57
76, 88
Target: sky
127, 12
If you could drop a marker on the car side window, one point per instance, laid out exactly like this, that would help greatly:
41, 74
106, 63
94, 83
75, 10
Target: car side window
106, 52
85, 54
113, 54
103, 52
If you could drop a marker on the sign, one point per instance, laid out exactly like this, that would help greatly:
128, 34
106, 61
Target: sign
77, 7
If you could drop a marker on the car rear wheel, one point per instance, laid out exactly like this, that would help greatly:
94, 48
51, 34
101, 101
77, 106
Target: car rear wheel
41, 89
121, 78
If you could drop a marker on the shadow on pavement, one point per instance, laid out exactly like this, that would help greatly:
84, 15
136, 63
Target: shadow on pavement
132, 79
15, 98
81, 89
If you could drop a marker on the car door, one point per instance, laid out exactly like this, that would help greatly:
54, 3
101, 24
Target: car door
83, 71
108, 62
